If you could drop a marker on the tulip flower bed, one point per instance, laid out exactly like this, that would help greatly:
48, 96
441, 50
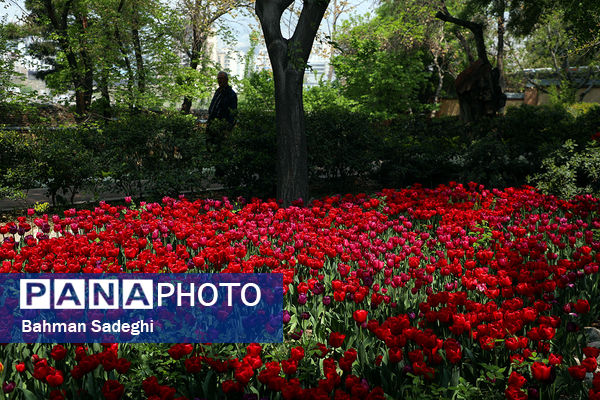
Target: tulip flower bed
453, 292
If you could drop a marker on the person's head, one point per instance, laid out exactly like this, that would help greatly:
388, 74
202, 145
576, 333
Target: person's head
222, 79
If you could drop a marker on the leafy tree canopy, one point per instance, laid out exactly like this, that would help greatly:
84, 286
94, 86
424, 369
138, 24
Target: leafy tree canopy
383, 60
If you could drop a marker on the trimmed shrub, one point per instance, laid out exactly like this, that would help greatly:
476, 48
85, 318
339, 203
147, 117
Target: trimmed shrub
20, 169
165, 154
154, 154
246, 160
69, 159
341, 146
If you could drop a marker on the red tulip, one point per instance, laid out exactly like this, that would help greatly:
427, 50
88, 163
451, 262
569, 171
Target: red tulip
360, 316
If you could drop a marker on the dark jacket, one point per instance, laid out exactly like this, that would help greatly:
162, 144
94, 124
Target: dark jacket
223, 105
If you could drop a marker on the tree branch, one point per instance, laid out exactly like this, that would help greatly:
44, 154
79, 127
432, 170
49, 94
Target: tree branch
474, 27
267, 12
65, 13
306, 29
51, 13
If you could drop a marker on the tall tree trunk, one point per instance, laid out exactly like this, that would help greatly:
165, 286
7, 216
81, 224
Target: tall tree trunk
440, 85
197, 43
104, 92
288, 59
87, 81
331, 46
137, 48
126, 61
186, 106
59, 24
477, 87
292, 150
128, 70
500, 53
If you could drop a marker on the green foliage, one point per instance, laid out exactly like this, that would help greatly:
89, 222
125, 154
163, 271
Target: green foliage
418, 149
326, 96
257, 92
568, 172
580, 109
69, 160
341, 145
497, 152
254, 38
502, 152
583, 18
551, 47
562, 94
128, 50
193, 83
247, 158
17, 113
158, 154
341, 148
381, 68
163, 156
19, 168
147, 155
8, 55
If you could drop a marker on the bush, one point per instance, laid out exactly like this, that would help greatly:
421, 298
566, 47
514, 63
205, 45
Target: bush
326, 96
69, 158
25, 113
587, 125
344, 145
580, 109
418, 149
257, 92
246, 161
568, 172
20, 169
341, 146
154, 154
165, 154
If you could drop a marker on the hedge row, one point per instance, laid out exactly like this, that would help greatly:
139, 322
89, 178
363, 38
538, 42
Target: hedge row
498, 152
141, 155
155, 155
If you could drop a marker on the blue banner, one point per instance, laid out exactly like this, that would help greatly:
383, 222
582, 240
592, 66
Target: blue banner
141, 308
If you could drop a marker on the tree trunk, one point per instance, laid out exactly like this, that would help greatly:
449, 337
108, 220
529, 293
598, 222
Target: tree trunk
440, 85
81, 104
477, 87
292, 152
87, 77
139, 59
500, 54
77, 78
104, 92
128, 68
288, 59
88, 80
186, 106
